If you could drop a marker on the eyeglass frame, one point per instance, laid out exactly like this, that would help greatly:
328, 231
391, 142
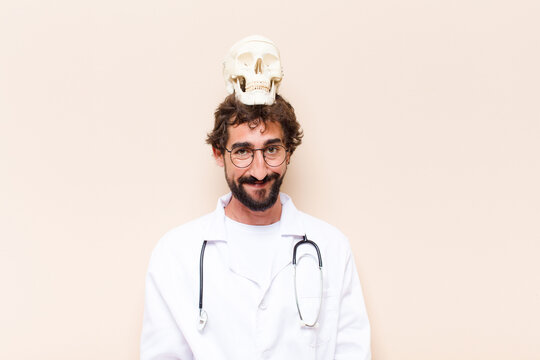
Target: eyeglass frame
253, 155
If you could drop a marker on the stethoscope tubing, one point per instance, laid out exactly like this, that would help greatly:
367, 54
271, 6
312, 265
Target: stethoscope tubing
201, 274
203, 316
305, 241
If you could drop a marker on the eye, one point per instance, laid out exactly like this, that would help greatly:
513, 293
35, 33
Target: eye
270, 59
271, 150
246, 59
242, 152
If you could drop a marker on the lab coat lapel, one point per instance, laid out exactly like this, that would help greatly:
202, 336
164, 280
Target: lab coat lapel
291, 230
291, 224
216, 232
215, 229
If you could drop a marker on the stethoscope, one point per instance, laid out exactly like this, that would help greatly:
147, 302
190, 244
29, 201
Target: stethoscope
203, 316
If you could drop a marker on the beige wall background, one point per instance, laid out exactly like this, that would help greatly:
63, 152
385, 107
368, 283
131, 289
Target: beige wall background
422, 126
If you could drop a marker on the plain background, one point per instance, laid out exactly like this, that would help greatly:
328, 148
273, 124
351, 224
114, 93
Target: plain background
421, 123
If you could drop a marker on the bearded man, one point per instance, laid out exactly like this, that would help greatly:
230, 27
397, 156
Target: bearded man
257, 278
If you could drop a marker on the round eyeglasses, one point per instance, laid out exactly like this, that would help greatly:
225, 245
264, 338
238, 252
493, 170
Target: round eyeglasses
242, 157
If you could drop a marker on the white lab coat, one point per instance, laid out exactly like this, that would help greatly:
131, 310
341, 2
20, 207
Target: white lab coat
246, 321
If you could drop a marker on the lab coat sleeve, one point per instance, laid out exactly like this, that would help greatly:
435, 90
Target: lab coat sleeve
161, 338
354, 335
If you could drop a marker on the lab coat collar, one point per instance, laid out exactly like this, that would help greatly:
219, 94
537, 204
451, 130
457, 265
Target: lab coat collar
290, 219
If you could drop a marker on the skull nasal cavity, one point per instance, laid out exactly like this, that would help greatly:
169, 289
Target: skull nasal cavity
258, 66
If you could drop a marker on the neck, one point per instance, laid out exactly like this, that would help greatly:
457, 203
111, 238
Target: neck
240, 213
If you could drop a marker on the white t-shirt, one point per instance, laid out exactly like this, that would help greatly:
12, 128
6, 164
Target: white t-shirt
253, 248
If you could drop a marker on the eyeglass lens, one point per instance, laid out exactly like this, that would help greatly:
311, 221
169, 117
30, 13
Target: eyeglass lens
274, 155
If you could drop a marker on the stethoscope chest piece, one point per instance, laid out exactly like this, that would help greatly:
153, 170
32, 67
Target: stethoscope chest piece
203, 318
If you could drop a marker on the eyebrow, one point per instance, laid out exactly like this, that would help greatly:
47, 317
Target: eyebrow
248, 144
241, 144
272, 141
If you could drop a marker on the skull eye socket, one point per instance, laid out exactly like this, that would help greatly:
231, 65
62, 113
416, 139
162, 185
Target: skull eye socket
269, 59
246, 59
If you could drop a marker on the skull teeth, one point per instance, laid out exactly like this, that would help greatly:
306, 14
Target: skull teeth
257, 86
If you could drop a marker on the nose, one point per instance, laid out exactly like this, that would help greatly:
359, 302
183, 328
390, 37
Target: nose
258, 166
258, 66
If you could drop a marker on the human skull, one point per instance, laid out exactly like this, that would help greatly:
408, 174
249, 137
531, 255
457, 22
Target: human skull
252, 70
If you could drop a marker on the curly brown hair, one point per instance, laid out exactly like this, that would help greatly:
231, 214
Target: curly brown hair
232, 112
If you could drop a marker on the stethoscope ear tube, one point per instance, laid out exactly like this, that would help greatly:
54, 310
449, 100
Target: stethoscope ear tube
302, 242
306, 241
203, 316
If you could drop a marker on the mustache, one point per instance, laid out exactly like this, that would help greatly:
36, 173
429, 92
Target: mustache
253, 180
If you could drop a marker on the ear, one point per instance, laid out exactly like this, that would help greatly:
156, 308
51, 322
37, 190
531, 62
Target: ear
218, 156
288, 161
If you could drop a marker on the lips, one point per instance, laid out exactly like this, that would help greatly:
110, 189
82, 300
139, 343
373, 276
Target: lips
257, 184
250, 180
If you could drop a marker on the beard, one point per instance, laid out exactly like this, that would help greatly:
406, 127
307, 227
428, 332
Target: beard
267, 200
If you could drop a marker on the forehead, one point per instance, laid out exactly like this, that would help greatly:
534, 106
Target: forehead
256, 47
255, 136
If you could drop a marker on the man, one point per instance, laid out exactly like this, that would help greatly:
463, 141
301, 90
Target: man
253, 303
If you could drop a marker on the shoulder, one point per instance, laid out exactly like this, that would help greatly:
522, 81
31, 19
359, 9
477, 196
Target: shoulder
326, 235
316, 229
313, 223
187, 231
183, 240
